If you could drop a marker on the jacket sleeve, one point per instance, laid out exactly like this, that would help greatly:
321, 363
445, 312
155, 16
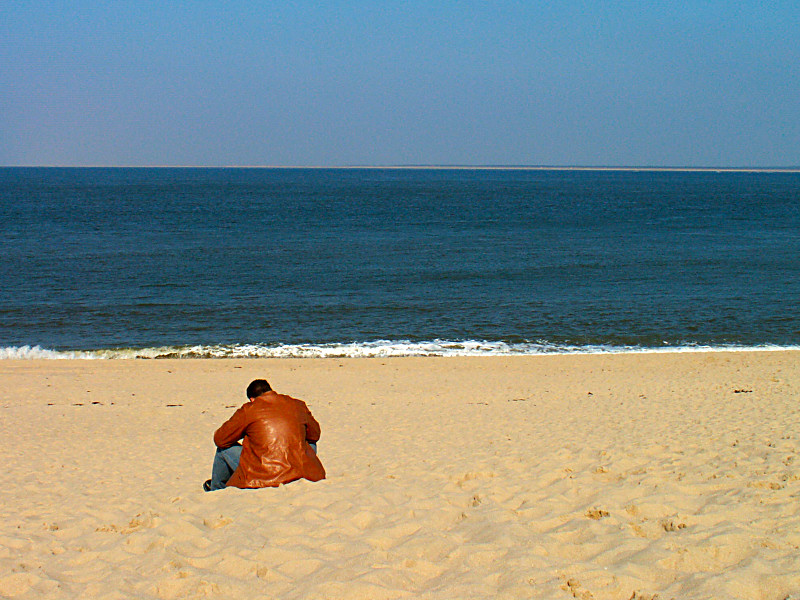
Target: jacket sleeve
312, 427
232, 430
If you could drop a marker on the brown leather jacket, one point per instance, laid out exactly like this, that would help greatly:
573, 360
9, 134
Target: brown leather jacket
275, 450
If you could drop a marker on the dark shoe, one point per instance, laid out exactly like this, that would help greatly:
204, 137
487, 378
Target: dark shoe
207, 485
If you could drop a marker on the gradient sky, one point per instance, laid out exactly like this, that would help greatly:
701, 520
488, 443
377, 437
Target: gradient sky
395, 83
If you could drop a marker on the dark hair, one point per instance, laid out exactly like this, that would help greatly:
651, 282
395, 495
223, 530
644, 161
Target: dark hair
258, 387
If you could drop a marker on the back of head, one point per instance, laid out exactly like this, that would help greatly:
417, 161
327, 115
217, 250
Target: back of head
258, 387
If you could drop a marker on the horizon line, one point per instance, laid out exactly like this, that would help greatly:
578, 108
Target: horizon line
741, 169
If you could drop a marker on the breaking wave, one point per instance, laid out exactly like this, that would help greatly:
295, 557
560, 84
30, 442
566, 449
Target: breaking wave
375, 349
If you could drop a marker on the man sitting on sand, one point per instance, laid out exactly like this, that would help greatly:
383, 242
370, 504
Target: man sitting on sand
279, 446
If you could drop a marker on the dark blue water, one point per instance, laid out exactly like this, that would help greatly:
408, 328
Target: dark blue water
143, 258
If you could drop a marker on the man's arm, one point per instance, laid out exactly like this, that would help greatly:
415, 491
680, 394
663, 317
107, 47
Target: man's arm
312, 427
232, 430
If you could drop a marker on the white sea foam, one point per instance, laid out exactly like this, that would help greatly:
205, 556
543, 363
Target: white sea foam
375, 349
25, 352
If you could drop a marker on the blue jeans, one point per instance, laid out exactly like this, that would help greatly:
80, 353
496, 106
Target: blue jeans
226, 460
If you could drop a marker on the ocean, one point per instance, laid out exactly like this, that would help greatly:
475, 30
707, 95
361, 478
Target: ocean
197, 262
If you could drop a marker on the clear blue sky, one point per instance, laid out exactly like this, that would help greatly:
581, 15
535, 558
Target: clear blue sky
373, 83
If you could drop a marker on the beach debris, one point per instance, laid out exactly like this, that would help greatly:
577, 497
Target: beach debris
597, 513
168, 405
742, 391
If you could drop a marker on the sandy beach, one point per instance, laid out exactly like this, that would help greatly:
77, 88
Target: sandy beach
619, 476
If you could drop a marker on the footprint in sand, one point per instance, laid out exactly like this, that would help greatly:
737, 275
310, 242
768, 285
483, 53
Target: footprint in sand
573, 586
669, 525
460, 481
596, 513
765, 485
186, 588
140, 521
16, 584
217, 522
